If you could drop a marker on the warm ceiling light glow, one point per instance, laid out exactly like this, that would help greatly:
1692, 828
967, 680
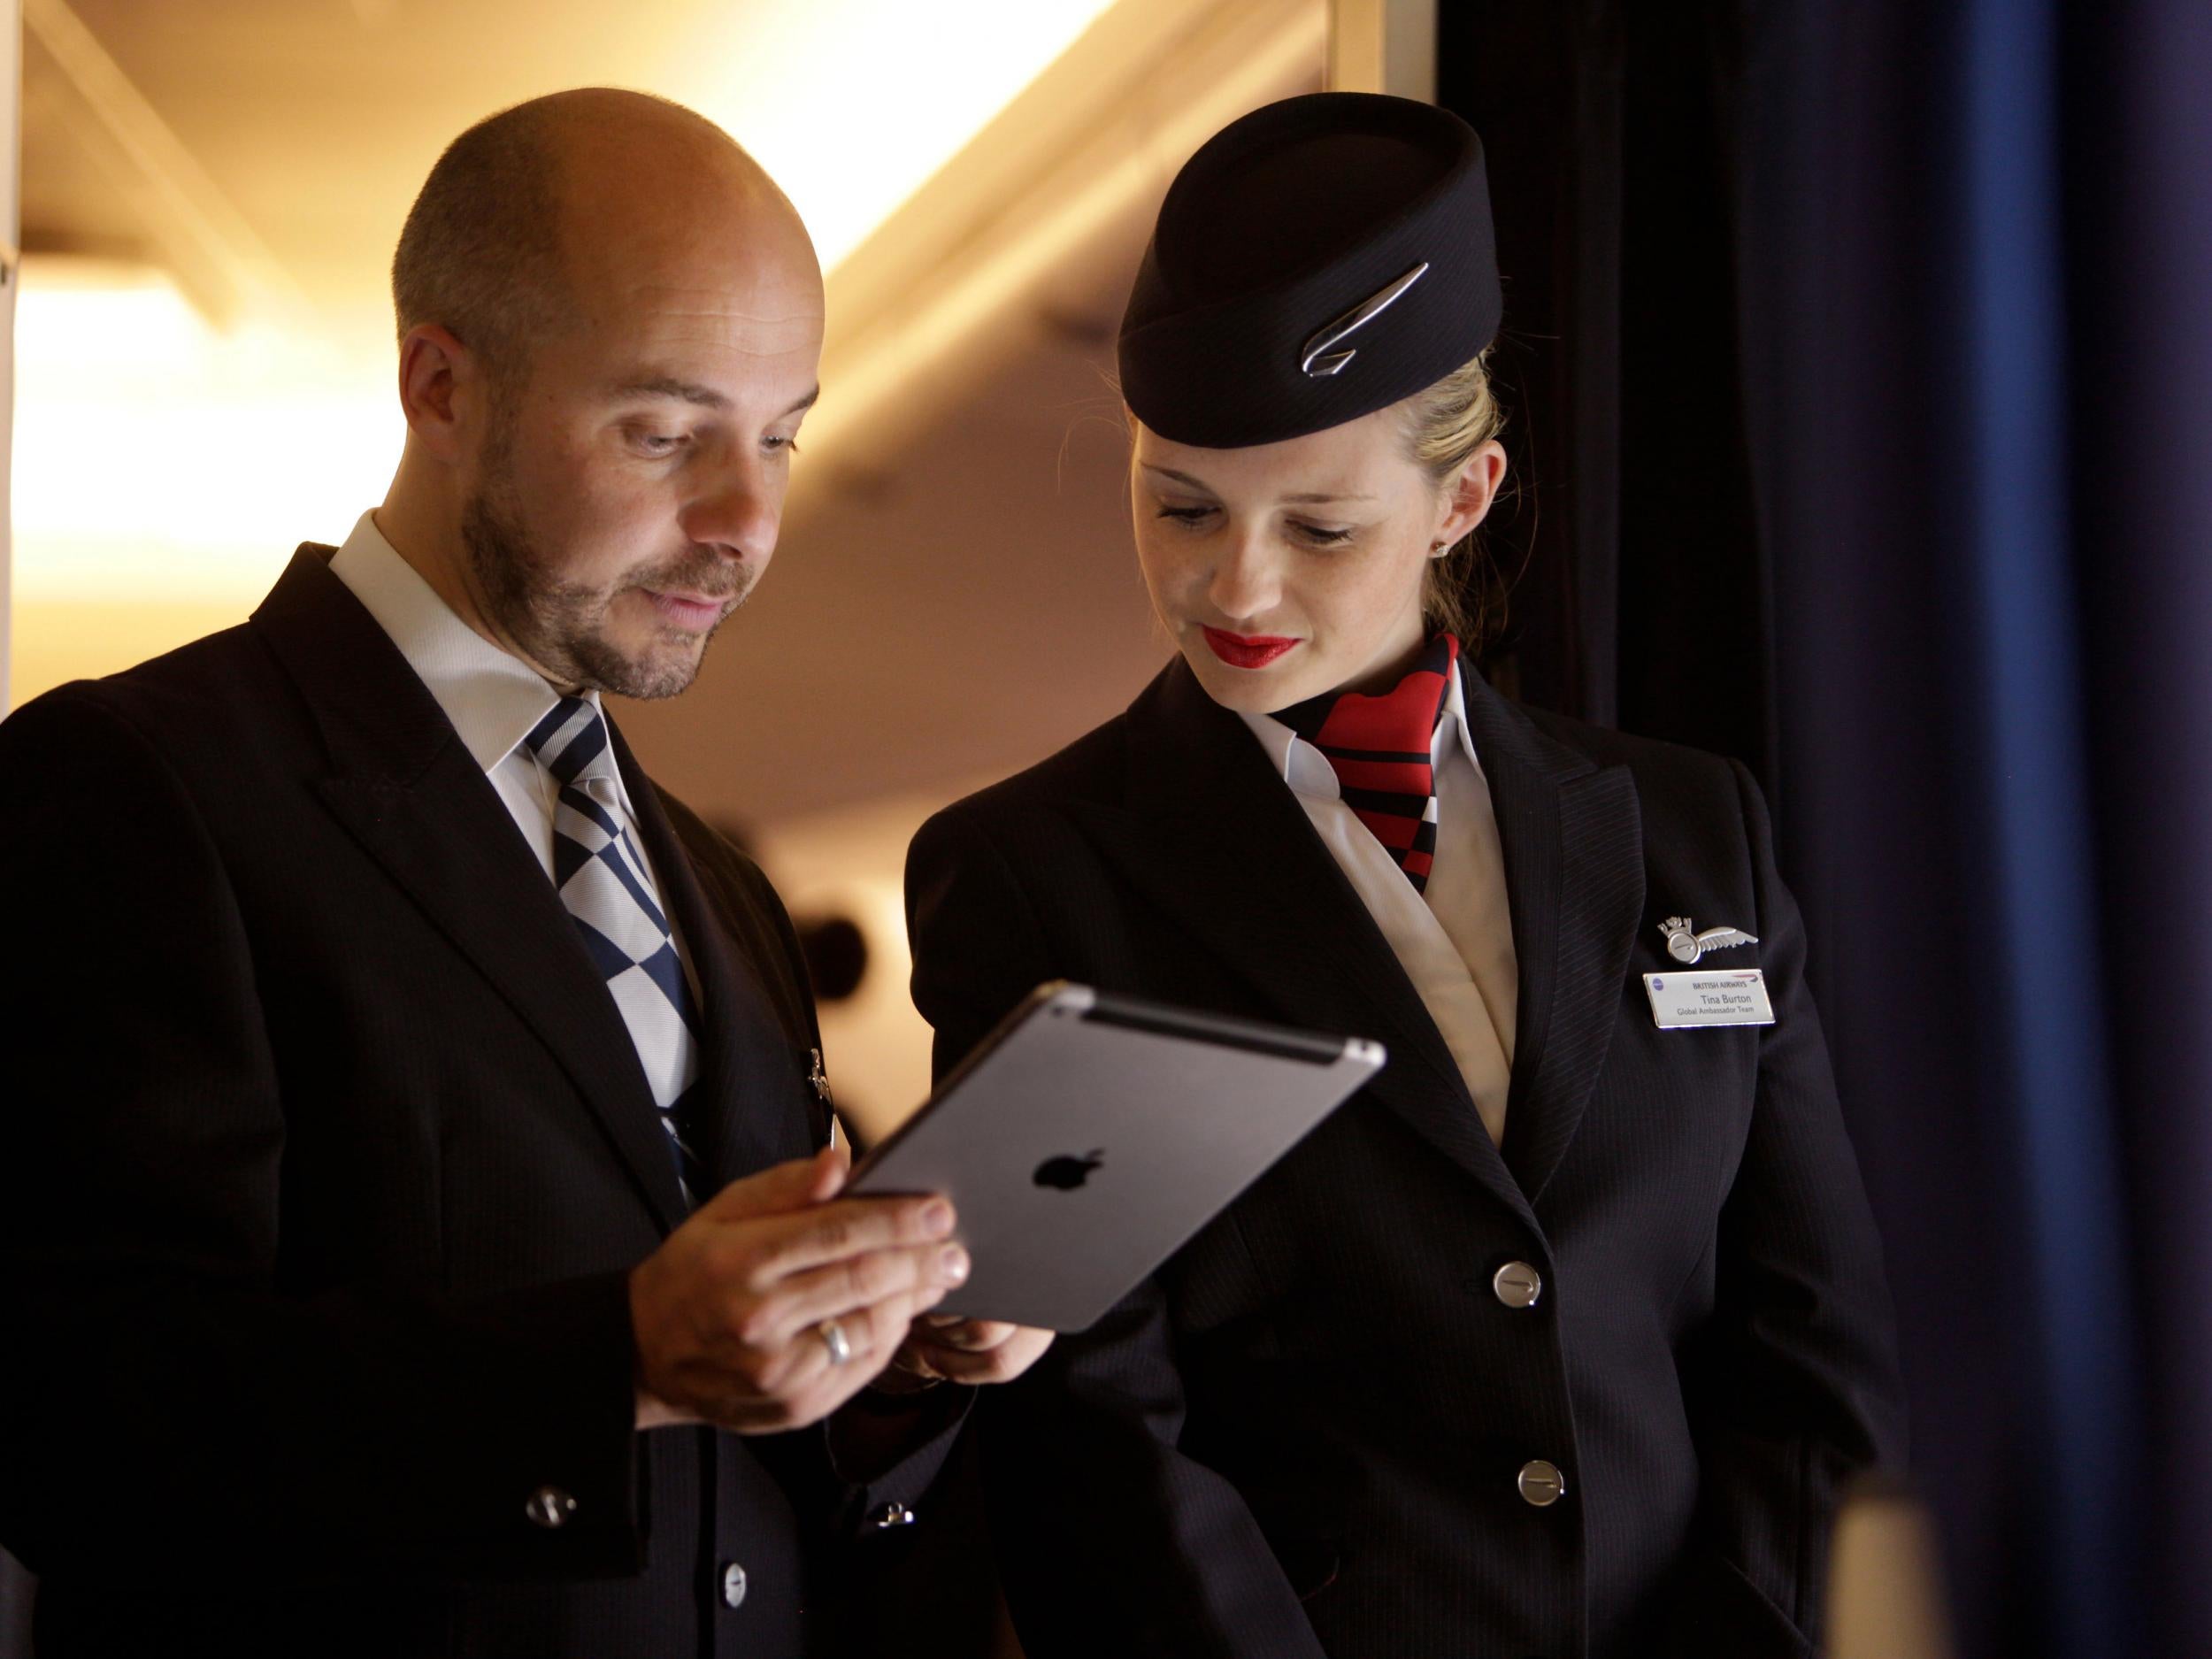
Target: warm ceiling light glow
852, 104
159, 459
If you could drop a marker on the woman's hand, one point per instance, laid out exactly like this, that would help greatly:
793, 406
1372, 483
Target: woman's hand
945, 1347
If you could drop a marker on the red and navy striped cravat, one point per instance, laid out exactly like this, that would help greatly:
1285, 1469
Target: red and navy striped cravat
1378, 747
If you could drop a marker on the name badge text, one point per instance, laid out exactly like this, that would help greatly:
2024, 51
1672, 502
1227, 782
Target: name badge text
1682, 1001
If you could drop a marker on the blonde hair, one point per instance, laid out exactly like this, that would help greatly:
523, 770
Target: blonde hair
1446, 424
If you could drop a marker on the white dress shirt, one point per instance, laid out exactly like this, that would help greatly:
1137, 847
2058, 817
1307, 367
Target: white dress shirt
494, 699
1455, 941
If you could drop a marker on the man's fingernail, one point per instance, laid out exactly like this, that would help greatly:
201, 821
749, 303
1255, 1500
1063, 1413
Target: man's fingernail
937, 1217
953, 1263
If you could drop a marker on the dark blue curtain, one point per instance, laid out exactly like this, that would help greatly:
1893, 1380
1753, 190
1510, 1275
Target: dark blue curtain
1865, 353
2137, 162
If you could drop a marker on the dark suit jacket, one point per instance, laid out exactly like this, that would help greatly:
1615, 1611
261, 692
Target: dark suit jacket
324, 1157
1303, 1435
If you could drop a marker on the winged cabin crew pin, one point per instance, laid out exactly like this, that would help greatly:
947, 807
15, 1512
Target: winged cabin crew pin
1337, 330
1685, 945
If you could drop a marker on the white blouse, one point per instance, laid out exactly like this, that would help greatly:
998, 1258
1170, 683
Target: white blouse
1455, 941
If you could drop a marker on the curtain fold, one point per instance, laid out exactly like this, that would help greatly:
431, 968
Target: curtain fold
2137, 163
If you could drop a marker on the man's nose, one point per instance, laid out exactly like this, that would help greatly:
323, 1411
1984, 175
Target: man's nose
741, 509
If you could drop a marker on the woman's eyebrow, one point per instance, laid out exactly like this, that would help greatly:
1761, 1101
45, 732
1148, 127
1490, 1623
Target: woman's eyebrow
1307, 499
1179, 477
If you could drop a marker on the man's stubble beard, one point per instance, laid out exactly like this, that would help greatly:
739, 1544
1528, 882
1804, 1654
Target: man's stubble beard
561, 626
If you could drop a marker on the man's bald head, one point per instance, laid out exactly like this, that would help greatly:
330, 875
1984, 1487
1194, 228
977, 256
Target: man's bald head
610, 328
491, 248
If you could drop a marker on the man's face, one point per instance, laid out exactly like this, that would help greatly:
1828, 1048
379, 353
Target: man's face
630, 487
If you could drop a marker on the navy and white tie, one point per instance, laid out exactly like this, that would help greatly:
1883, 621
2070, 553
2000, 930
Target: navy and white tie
607, 887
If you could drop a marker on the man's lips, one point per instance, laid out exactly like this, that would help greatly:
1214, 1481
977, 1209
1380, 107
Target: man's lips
1247, 651
688, 609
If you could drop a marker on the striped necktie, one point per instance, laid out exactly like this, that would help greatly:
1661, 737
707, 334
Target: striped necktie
604, 880
1380, 748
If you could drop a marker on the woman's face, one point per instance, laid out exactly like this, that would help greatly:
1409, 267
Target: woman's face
1291, 569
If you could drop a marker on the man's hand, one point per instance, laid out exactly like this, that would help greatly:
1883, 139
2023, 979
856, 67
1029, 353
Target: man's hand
944, 1348
728, 1312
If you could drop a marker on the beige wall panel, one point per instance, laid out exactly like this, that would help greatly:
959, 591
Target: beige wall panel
1383, 46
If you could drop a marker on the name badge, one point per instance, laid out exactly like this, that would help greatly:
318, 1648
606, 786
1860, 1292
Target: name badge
1681, 1001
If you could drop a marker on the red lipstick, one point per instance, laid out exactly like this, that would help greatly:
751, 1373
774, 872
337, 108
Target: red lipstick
1247, 651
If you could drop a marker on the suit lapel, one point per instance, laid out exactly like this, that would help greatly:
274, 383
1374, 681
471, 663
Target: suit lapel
1573, 845
407, 789
752, 1111
1218, 840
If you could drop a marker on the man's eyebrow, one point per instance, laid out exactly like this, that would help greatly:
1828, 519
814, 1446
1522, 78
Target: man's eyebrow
1310, 497
668, 386
692, 392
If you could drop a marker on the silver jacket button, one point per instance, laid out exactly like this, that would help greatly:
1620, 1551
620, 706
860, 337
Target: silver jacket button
1542, 1484
1517, 1284
733, 1585
894, 1514
548, 1506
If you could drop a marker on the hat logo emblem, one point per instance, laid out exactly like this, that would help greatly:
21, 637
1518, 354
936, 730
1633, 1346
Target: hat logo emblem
1318, 366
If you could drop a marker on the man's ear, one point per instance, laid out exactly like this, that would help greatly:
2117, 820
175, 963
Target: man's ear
1471, 491
440, 381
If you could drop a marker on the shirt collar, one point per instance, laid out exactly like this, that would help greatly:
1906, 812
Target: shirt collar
1307, 770
493, 698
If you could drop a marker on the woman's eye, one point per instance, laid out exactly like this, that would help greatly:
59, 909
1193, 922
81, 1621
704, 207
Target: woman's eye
779, 446
1187, 515
656, 443
1321, 537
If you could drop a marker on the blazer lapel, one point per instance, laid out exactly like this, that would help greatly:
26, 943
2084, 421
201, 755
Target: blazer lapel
1573, 844
408, 790
1218, 840
753, 1112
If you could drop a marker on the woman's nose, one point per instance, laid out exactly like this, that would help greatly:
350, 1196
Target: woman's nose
1245, 580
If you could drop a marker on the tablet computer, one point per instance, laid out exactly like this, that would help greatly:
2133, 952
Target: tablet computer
1090, 1134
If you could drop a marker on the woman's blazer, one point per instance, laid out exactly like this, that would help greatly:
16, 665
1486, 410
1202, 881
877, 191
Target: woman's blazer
1312, 1432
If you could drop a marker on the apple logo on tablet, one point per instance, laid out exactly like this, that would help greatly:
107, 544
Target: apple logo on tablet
1067, 1172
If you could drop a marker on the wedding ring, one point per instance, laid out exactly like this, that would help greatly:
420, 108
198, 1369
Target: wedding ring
832, 1335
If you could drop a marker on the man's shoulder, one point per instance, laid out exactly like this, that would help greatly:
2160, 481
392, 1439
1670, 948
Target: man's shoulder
713, 854
185, 698
745, 904
746, 897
